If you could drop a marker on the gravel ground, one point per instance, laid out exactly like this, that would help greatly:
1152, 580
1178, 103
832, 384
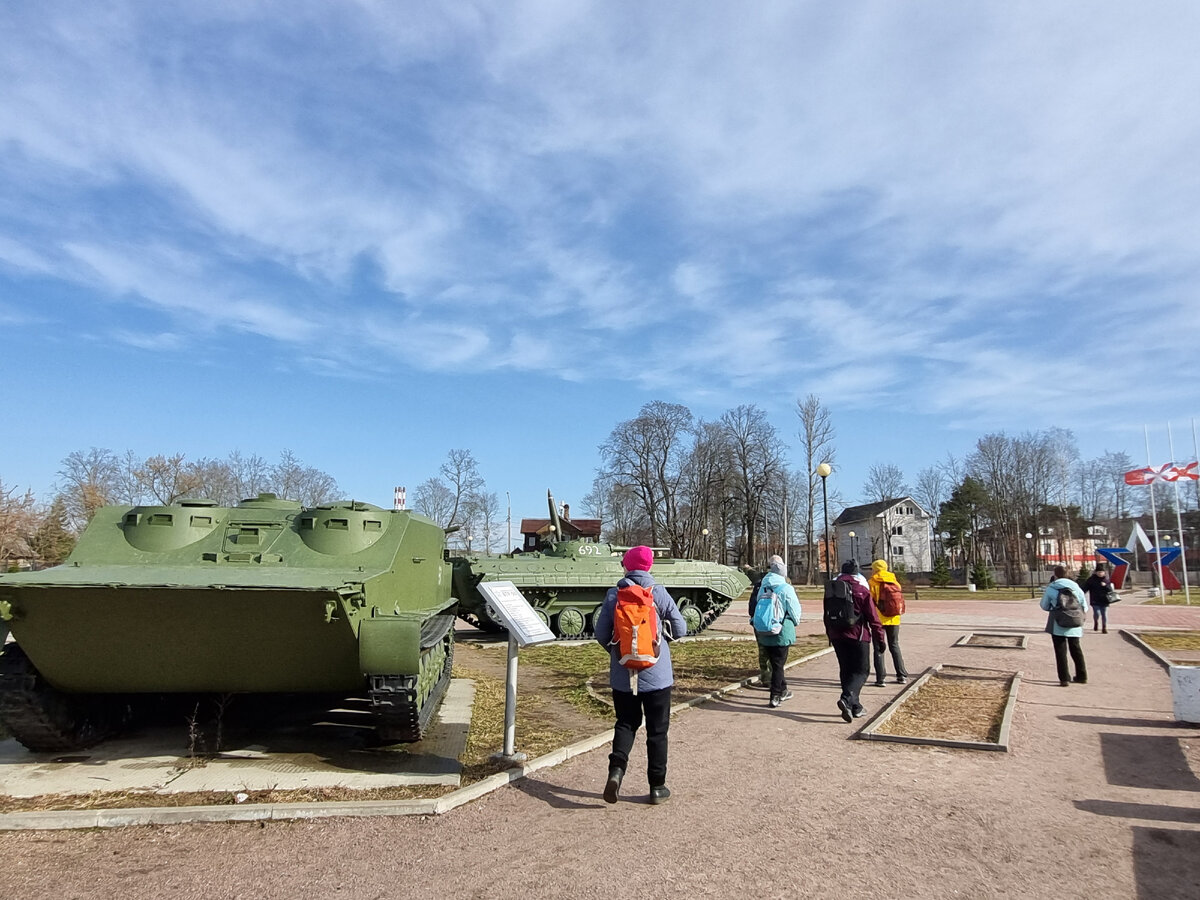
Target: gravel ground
1097, 798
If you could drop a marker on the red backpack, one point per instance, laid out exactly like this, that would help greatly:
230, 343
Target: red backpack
891, 600
635, 630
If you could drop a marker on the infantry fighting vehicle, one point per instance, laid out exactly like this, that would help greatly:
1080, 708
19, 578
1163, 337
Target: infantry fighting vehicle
264, 597
565, 583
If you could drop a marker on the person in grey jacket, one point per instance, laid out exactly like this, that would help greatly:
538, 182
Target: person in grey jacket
777, 645
653, 697
1065, 638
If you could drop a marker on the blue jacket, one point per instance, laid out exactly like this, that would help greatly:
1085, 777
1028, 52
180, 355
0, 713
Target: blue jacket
660, 675
1050, 597
791, 612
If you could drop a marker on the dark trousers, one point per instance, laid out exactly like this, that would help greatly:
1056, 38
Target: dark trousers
893, 639
1061, 645
764, 665
778, 659
854, 665
656, 705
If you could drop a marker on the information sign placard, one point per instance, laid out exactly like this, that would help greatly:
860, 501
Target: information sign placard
514, 611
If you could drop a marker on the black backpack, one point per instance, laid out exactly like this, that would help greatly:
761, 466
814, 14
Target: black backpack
840, 611
1067, 611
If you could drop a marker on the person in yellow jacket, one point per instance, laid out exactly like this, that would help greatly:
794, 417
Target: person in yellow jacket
880, 575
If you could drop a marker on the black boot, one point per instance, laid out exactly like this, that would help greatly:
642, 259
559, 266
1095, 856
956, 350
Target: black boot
613, 785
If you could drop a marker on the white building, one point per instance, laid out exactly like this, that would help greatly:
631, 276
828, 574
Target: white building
897, 530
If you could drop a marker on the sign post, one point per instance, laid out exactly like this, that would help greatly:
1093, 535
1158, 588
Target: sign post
525, 629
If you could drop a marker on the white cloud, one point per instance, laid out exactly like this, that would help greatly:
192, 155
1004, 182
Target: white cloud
917, 205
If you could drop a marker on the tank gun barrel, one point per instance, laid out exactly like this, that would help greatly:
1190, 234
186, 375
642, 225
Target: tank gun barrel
555, 521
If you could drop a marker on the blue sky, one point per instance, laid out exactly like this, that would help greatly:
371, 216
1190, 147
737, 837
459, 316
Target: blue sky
371, 232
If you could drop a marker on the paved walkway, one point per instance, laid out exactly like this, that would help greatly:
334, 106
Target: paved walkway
1097, 799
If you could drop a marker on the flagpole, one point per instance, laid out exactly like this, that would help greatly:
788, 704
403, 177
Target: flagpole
1187, 594
1162, 592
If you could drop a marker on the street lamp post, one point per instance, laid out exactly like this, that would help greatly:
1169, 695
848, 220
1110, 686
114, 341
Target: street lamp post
704, 534
823, 470
1029, 537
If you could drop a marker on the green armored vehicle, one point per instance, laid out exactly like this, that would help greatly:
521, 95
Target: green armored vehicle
264, 597
566, 581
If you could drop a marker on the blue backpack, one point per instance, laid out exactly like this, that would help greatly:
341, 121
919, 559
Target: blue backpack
768, 611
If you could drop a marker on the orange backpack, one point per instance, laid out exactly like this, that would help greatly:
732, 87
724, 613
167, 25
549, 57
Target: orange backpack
891, 600
635, 630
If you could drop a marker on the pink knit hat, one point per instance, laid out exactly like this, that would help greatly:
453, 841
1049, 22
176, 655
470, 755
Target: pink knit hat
636, 558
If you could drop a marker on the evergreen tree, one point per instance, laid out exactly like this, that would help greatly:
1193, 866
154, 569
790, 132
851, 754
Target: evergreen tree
941, 572
981, 575
52, 541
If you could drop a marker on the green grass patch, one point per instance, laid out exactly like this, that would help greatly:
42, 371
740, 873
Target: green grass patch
1171, 640
959, 592
808, 595
1176, 598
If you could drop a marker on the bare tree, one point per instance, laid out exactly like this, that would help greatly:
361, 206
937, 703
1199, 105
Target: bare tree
166, 479
616, 504
954, 468
292, 479
481, 513
885, 482
703, 488
433, 499
932, 489
756, 456
251, 475
213, 479
1115, 466
816, 447
1012, 476
18, 524
462, 476
88, 481
645, 455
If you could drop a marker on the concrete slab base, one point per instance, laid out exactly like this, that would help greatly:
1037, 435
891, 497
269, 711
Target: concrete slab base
299, 749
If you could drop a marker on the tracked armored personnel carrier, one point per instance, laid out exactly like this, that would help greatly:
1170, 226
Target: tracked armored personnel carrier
264, 597
566, 581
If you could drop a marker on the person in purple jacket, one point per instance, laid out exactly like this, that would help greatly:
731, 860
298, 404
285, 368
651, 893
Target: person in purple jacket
852, 645
653, 697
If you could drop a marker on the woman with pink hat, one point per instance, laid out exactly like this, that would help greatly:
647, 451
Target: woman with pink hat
652, 699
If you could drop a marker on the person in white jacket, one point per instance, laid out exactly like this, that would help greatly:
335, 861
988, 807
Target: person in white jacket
1065, 637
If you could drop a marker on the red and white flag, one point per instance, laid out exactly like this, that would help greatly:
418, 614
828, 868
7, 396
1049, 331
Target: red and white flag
1187, 473
1150, 474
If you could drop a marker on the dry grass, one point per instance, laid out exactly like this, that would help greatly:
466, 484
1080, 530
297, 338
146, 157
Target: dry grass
956, 704
538, 733
996, 640
1171, 640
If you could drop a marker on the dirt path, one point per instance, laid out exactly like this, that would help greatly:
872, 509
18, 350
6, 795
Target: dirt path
1097, 798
